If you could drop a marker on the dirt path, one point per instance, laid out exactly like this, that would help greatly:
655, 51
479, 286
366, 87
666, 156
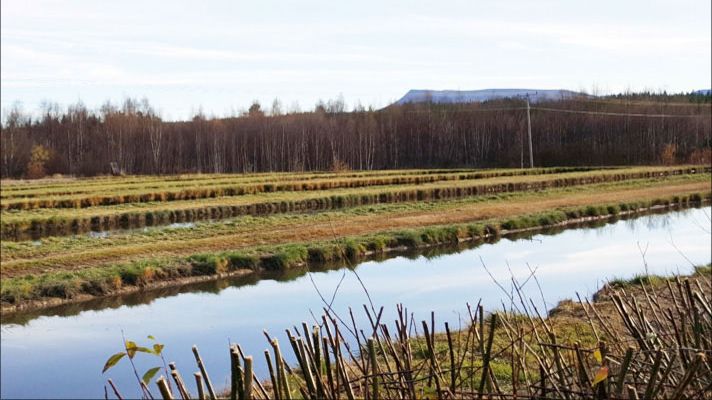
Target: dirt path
304, 230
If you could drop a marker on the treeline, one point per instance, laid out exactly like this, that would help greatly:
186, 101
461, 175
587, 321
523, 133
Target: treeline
81, 141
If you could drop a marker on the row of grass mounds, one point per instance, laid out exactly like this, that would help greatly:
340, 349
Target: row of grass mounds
61, 226
30, 201
105, 280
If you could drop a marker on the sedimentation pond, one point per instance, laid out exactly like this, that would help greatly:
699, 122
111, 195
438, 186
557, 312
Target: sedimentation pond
60, 352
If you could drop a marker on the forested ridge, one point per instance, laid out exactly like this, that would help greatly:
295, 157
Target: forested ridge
628, 129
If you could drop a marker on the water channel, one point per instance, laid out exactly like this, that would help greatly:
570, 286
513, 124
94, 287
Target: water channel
60, 352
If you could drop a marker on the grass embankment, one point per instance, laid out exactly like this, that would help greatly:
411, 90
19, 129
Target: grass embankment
652, 279
43, 222
108, 279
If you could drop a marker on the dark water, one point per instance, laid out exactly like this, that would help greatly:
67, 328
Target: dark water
60, 352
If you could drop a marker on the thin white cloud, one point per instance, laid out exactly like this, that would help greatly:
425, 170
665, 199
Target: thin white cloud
311, 49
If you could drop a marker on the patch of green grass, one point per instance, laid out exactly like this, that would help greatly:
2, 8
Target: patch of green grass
209, 264
703, 269
240, 260
637, 280
285, 257
654, 280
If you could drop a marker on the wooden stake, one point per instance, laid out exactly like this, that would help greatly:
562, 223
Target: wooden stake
180, 384
163, 388
237, 390
273, 378
199, 384
206, 378
282, 379
374, 368
248, 380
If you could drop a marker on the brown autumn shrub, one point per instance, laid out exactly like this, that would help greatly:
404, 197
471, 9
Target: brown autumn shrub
339, 165
700, 156
38, 158
668, 154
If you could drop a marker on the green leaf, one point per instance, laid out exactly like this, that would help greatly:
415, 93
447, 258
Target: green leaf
150, 374
113, 360
157, 349
151, 337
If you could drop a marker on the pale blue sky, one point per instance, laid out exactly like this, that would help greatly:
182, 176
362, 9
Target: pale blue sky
222, 54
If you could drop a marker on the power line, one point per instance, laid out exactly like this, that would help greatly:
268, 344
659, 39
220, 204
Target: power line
607, 113
638, 103
626, 101
470, 110
621, 114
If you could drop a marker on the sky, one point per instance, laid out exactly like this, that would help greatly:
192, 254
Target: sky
219, 56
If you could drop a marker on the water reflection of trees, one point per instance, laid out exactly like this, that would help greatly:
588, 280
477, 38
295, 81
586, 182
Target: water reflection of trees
660, 219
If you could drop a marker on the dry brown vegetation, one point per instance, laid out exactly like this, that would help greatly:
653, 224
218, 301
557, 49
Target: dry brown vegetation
645, 338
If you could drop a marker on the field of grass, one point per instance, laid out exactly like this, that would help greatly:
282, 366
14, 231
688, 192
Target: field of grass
42, 222
354, 215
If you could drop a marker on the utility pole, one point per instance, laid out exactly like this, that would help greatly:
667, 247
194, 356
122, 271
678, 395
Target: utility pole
529, 131
521, 150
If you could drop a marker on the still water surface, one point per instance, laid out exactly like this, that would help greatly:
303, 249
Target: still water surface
60, 352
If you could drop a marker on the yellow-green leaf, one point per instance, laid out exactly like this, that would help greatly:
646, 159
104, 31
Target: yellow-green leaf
131, 348
151, 337
597, 356
113, 360
150, 374
601, 376
144, 350
157, 349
